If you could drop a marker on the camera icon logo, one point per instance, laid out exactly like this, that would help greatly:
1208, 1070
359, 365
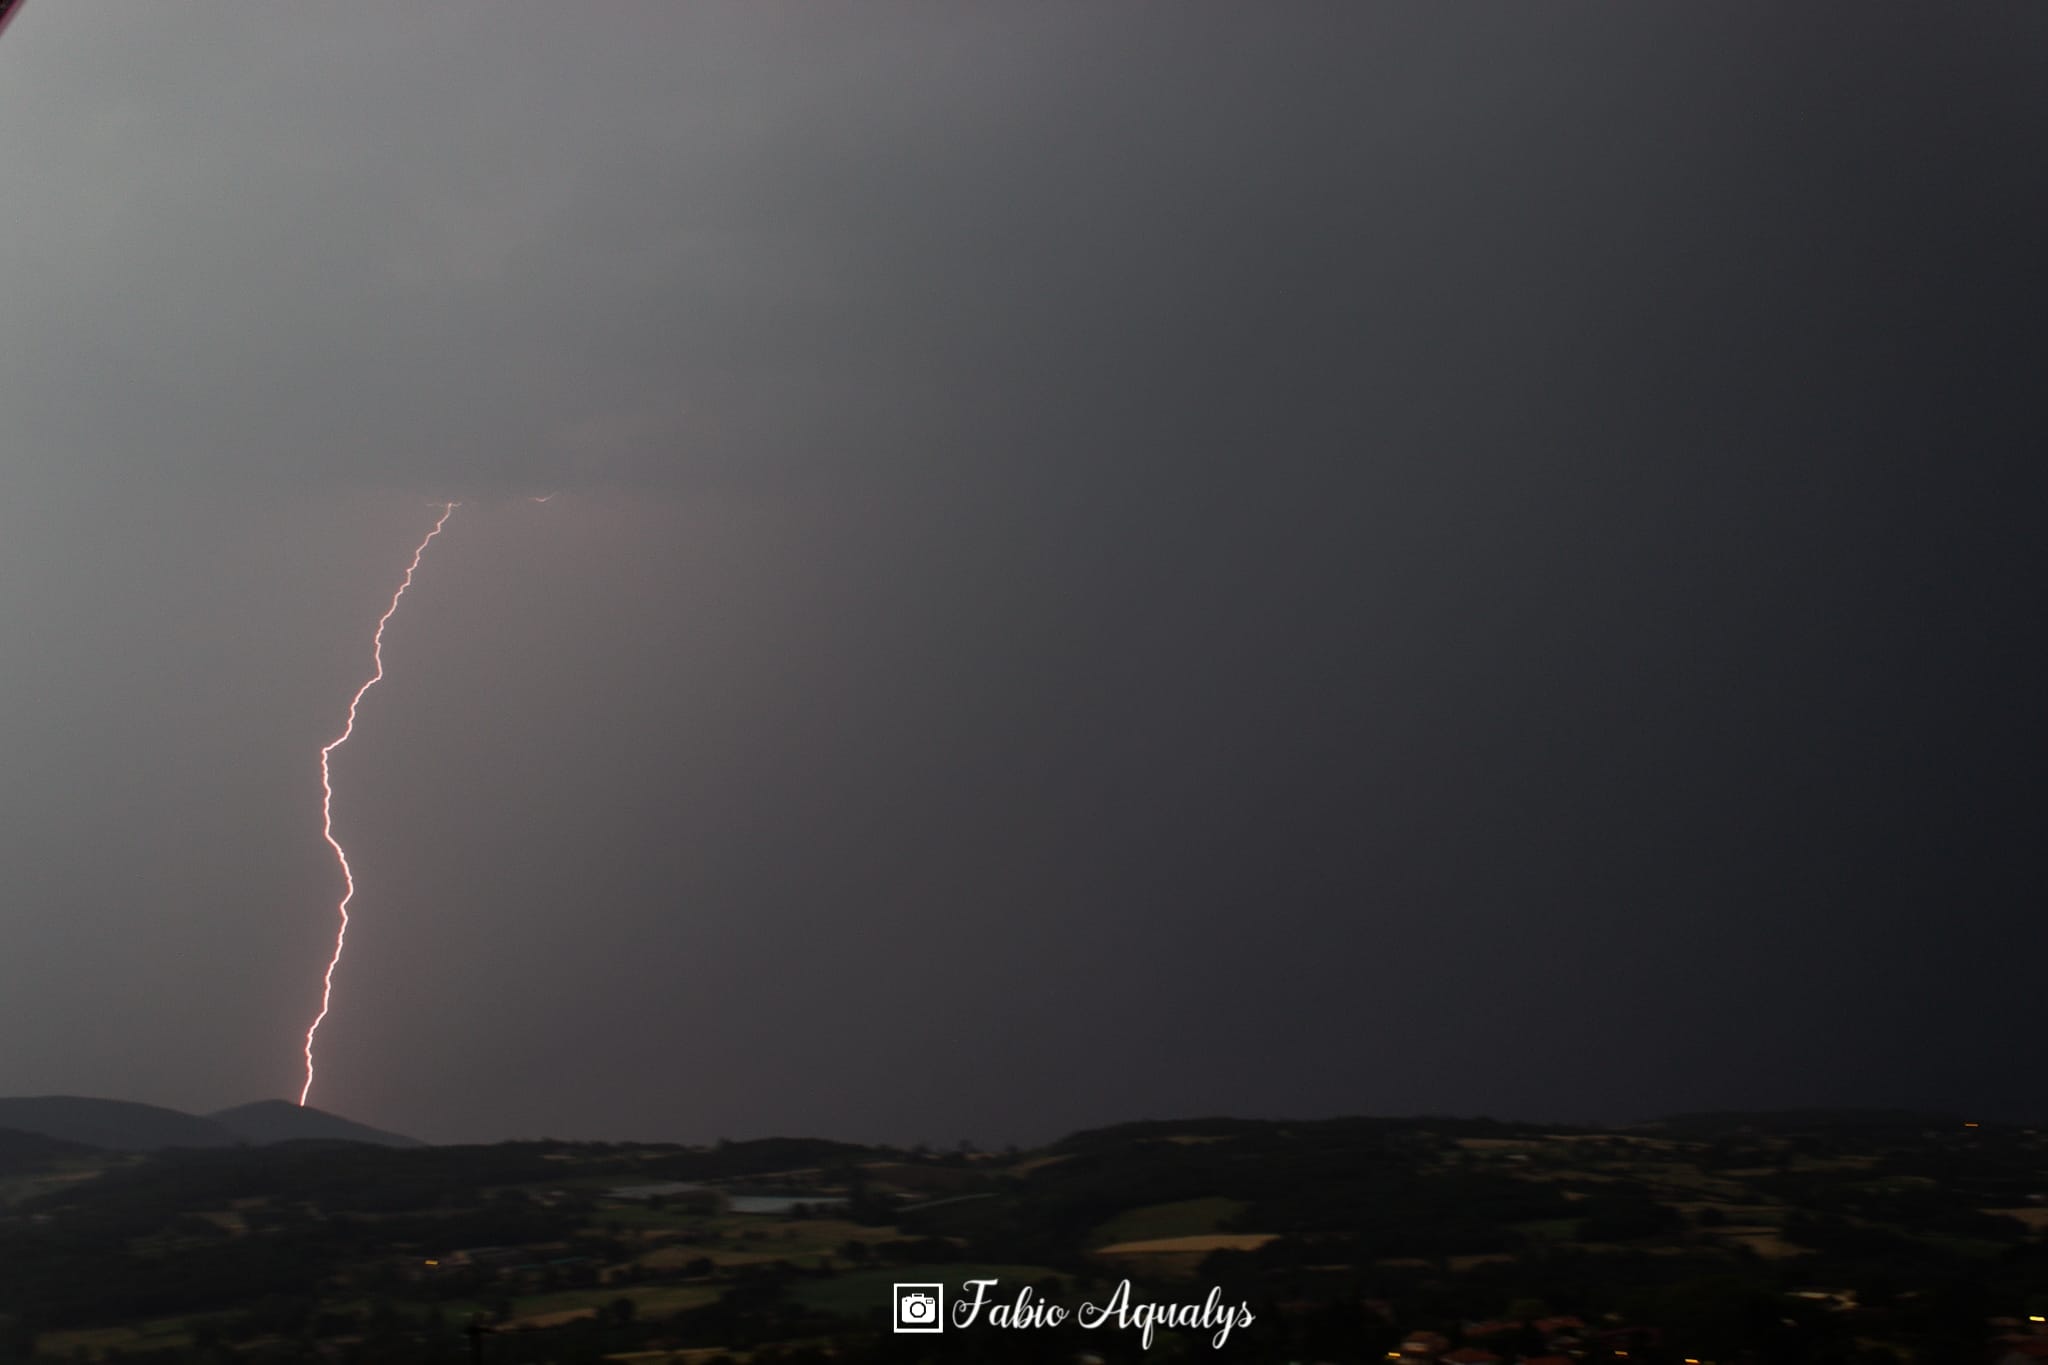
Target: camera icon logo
920, 1308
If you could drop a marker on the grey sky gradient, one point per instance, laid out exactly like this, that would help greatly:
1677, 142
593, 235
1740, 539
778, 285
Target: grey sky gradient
1108, 560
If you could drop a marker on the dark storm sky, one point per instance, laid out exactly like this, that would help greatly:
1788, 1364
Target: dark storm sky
1109, 560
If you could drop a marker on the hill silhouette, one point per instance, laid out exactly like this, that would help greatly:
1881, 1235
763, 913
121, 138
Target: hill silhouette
268, 1121
126, 1126
119, 1125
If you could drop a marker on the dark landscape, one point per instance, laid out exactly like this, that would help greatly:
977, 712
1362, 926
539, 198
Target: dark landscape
1863, 1237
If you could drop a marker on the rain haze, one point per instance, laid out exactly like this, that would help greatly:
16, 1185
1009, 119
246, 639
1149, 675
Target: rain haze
1100, 561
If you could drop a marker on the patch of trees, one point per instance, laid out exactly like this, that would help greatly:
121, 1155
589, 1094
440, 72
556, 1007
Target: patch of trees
1623, 1212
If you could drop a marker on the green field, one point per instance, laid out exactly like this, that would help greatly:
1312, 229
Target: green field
1184, 1218
59, 1174
649, 1301
741, 1239
1548, 1229
159, 1335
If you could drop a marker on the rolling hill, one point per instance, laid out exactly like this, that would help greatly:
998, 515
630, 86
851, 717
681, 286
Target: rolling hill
268, 1121
119, 1125
125, 1126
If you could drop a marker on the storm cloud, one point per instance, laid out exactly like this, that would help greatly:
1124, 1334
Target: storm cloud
1103, 561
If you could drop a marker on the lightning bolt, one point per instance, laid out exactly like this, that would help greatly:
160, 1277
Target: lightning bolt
327, 793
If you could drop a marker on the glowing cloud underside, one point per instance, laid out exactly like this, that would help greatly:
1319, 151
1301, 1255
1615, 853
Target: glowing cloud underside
327, 793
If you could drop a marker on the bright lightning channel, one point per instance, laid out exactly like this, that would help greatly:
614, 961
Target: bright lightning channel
327, 793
